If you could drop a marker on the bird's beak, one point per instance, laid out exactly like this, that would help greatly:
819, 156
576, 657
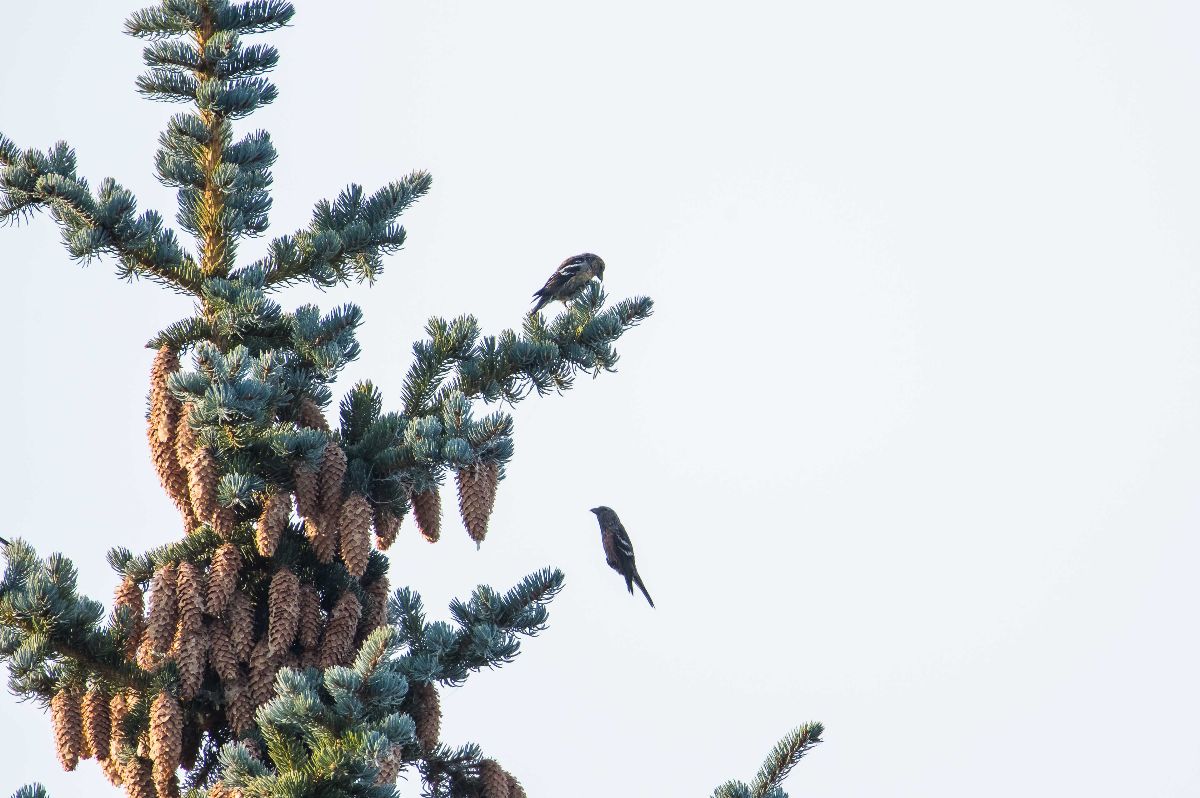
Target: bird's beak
594, 509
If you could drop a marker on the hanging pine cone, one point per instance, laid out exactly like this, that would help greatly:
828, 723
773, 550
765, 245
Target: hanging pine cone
338, 643
322, 536
190, 748
426, 714
374, 607
387, 526
283, 611
354, 533
515, 790
97, 725
223, 521
164, 407
308, 414
202, 482
493, 781
138, 778
171, 473
333, 471
276, 512
477, 497
308, 492
427, 509
185, 436
220, 652
118, 708
222, 578
129, 597
191, 657
239, 709
311, 620
190, 592
239, 617
67, 716
160, 620
262, 674
166, 743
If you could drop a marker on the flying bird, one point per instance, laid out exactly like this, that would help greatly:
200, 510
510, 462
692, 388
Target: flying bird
618, 549
569, 279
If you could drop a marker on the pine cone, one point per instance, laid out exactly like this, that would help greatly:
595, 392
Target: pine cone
190, 591
97, 725
129, 597
308, 492
191, 657
387, 526
118, 707
333, 471
239, 709
477, 496
354, 533
223, 522
389, 767
283, 611
308, 414
374, 607
185, 436
320, 532
160, 620
220, 653
171, 474
164, 407
67, 716
262, 674
492, 779
239, 617
515, 790
166, 743
222, 577
427, 509
338, 643
276, 512
190, 750
138, 778
426, 714
202, 482
311, 620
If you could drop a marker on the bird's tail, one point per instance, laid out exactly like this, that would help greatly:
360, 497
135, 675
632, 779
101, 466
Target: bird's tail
642, 588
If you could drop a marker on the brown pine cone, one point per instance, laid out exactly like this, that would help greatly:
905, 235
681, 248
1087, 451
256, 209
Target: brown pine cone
308, 492
374, 607
223, 522
426, 714
222, 578
389, 768
185, 436
262, 674
427, 509
492, 779
138, 777
67, 716
308, 414
129, 597
476, 497
333, 471
354, 533
97, 725
118, 707
515, 790
239, 617
220, 653
164, 407
311, 620
191, 656
239, 708
202, 482
160, 620
171, 473
190, 589
321, 534
283, 611
276, 512
387, 526
337, 646
166, 743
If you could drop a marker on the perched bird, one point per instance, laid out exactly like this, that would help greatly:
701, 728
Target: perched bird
569, 279
618, 549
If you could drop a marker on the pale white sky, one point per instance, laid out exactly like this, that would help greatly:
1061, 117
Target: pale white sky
911, 446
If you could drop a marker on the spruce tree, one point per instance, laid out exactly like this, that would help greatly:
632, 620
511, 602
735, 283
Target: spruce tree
263, 652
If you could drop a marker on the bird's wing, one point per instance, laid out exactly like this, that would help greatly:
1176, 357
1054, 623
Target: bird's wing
562, 275
623, 544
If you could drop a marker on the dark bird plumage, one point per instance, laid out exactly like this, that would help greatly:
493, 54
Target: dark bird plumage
618, 549
569, 279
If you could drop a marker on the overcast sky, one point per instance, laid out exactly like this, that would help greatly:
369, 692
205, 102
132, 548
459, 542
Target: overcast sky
910, 446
